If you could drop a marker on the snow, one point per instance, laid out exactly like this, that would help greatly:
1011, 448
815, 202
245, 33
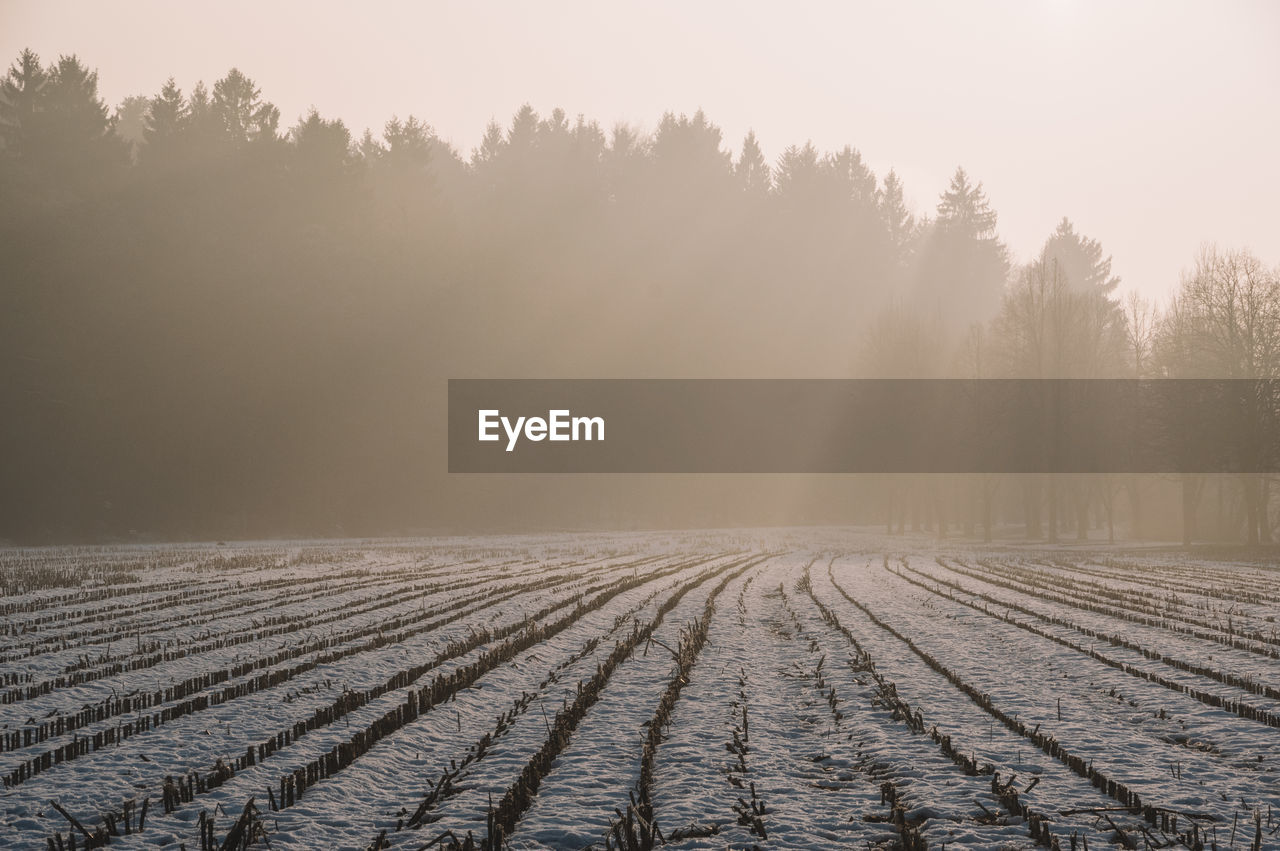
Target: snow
820, 741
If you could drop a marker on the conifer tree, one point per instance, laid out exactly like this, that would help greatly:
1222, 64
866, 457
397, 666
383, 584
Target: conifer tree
898, 220
751, 170
21, 94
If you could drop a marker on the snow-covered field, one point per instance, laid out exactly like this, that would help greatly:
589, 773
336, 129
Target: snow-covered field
781, 688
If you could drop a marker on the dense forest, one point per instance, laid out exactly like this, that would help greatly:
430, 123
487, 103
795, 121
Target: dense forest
216, 325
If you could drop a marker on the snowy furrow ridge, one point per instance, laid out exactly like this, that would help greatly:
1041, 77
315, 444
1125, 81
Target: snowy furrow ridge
777, 688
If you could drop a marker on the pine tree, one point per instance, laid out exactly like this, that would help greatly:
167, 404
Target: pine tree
1081, 259
200, 106
688, 150
491, 146
203, 129
964, 210
523, 134
899, 222
965, 264
130, 121
266, 122
21, 94
557, 124
798, 177
587, 140
167, 121
240, 113
625, 164
751, 170
852, 180
77, 146
409, 142
322, 149
369, 148
72, 97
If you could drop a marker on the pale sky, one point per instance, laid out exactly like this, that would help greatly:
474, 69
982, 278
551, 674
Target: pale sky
1153, 125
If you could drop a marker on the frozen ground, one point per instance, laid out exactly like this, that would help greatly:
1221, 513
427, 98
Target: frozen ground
781, 688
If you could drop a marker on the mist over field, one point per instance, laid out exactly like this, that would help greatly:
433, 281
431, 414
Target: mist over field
225, 319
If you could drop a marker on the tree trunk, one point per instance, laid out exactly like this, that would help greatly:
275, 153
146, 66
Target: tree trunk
1135, 506
1081, 493
970, 504
915, 505
1249, 485
1031, 505
1190, 496
1053, 509
939, 505
1264, 509
888, 508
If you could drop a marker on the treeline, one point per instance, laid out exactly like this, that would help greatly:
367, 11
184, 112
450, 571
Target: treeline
214, 324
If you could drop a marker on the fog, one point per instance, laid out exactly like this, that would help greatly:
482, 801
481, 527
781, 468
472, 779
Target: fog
1149, 124
229, 309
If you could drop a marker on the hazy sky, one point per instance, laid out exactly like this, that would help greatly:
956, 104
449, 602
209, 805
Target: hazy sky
1152, 125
